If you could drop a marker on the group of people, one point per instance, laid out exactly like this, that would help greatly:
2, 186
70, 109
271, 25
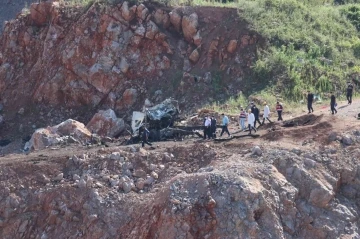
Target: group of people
333, 104
252, 117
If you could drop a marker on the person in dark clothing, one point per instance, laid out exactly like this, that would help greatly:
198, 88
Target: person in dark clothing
145, 135
252, 107
349, 92
310, 99
279, 109
213, 127
207, 127
333, 103
256, 113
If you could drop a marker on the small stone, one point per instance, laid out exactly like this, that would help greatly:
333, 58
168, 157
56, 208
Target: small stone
75, 219
154, 175
332, 136
232, 46
126, 187
21, 111
139, 173
115, 156
194, 56
82, 183
76, 177
347, 140
140, 183
256, 151
58, 177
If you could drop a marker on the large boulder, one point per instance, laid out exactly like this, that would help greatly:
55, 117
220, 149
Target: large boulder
175, 19
105, 123
189, 26
40, 12
65, 132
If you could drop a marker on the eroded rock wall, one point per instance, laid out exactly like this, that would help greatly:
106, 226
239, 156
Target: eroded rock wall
118, 56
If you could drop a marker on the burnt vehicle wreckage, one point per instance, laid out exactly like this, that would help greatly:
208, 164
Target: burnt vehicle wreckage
164, 123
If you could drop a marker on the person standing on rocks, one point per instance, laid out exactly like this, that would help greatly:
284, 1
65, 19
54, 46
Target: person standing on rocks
213, 127
225, 123
266, 114
145, 136
251, 121
242, 118
256, 113
310, 99
207, 127
279, 109
333, 103
349, 92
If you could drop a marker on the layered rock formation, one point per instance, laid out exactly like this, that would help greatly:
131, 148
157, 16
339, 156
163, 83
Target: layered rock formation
117, 56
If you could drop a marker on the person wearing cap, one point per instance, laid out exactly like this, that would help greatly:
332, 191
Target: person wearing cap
213, 127
279, 109
242, 118
251, 121
207, 127
225, 123
349, 92
266, 113
310, 99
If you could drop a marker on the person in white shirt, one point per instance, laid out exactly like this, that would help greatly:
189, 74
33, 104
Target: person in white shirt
251, 121
266, 113
207, 125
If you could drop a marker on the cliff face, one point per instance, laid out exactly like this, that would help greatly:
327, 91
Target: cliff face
118, 56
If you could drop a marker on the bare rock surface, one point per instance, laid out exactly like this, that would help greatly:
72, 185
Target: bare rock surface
105, 123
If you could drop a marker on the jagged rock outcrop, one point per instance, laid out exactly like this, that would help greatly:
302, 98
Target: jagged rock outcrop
91, 56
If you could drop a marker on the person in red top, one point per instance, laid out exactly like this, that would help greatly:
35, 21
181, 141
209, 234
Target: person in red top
279, 110
242, 118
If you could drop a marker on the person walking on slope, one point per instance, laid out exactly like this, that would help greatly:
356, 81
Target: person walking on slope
349, 92
333, 103
266, 113
242, 118
256, 113
213, 127
145, 136
207, 127
279, 109
310, 99
251, 121
225, 123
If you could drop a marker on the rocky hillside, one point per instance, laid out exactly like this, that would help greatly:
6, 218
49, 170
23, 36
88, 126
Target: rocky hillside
118, 56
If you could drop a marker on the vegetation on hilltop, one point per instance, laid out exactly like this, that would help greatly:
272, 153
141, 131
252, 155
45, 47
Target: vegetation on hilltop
312, 44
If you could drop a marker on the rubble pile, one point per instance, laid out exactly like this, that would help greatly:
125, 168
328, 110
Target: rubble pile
194, 191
